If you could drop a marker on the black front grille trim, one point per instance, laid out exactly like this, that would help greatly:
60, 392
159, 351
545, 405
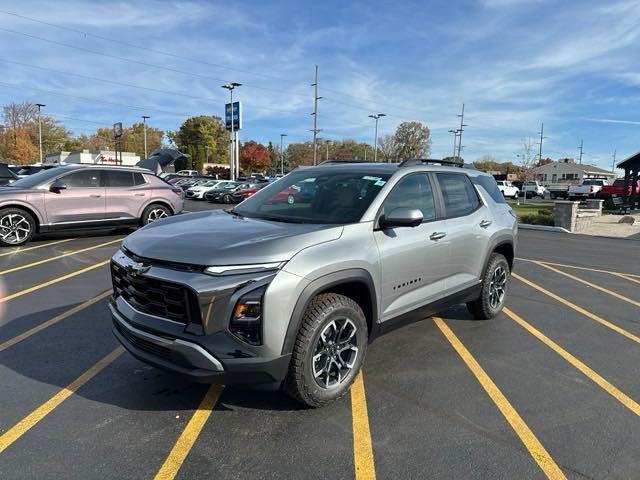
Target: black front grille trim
160, 298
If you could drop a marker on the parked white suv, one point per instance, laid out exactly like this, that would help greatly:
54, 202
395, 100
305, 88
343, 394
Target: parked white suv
508, 189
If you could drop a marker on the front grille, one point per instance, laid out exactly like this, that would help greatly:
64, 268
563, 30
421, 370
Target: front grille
155, 297
144, 345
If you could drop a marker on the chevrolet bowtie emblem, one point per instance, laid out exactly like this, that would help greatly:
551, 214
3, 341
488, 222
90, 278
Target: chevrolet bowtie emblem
137, 268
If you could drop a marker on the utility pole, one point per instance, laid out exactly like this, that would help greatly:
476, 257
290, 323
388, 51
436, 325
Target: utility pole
542, 137
375, 139
326, 143
315, 118
581, 152
40, 105
282, 135
455, 142
144, 126
613, 165
232, 157
460, 130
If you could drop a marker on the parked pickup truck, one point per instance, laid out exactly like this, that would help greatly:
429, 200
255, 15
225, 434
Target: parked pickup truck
533, 189
508, 189
617, 189
558, 190
589, 188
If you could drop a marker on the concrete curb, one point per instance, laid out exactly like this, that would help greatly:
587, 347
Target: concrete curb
546, 228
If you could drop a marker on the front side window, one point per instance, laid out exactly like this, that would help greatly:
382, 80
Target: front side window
460, 198
315, 196
413, 191
82, 179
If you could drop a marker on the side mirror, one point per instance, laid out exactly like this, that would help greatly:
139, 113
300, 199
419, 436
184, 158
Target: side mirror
57, 186
401, 217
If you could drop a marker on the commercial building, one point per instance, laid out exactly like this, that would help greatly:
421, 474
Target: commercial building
98, 157
568, 171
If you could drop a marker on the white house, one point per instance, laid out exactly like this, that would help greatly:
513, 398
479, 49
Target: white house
91, 157
568, 171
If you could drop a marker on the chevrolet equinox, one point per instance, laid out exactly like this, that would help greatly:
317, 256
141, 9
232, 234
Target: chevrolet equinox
289, 290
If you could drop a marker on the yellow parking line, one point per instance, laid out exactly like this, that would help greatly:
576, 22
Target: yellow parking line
57, 257
604, 384
362, 446
578, 309
38, 328
20, 250
599, 270
51, 282
528, 438
20, 428
189, 435
589, 284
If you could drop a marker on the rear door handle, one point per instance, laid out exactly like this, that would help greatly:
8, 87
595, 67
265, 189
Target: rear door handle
485, 223
437, 235
140, 194
95, 195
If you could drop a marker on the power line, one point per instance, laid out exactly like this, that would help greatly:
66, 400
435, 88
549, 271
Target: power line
130, 85
139, 47
196, 60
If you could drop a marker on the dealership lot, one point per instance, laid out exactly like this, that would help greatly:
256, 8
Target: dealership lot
547, 389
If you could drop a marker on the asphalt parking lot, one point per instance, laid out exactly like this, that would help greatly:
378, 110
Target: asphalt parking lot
549, 389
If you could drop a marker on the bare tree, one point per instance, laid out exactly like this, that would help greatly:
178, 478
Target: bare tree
18, 116
527, 159
388, 147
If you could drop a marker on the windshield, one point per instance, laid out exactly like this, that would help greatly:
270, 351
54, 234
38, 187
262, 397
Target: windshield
36, 179
310, 196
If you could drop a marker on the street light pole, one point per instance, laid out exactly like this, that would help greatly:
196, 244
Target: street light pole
40, 105
282, 135
455, 141
375, 139
144, 126
232, 158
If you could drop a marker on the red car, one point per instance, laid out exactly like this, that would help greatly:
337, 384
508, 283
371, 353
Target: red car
617, 189
240, 195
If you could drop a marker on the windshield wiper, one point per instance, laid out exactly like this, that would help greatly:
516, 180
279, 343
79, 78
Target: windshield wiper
231, 211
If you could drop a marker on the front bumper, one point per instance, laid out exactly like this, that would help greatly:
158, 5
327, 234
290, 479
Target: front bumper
199, 347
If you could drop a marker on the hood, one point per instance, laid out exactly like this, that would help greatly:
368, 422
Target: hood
219, 238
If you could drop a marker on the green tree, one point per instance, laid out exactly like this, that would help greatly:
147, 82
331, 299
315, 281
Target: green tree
413, 140
195, 135
133, 139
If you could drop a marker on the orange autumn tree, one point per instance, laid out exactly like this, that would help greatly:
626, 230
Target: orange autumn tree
254, 157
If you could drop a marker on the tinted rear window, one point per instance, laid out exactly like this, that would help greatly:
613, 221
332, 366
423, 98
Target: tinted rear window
460, 198
119, 178
489, 184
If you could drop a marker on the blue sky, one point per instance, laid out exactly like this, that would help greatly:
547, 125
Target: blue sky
514, 63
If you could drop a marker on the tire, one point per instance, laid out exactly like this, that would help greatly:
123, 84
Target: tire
154, 212
226, 199
328, 318
17, 227
515, 196
491, 301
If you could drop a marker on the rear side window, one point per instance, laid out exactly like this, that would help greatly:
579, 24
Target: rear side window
119, 179
460, 197
413, 191
489, 184
138, 179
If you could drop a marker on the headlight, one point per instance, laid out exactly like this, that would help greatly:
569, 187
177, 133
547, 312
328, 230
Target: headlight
242, 269
246, 319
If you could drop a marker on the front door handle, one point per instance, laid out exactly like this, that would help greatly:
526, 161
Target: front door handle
485, 223
95, 195
140, 194
437, 235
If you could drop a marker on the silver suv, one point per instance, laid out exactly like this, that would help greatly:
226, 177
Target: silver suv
289, 287
79, 196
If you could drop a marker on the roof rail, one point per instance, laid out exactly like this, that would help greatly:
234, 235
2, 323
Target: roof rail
330, 162
412, 162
